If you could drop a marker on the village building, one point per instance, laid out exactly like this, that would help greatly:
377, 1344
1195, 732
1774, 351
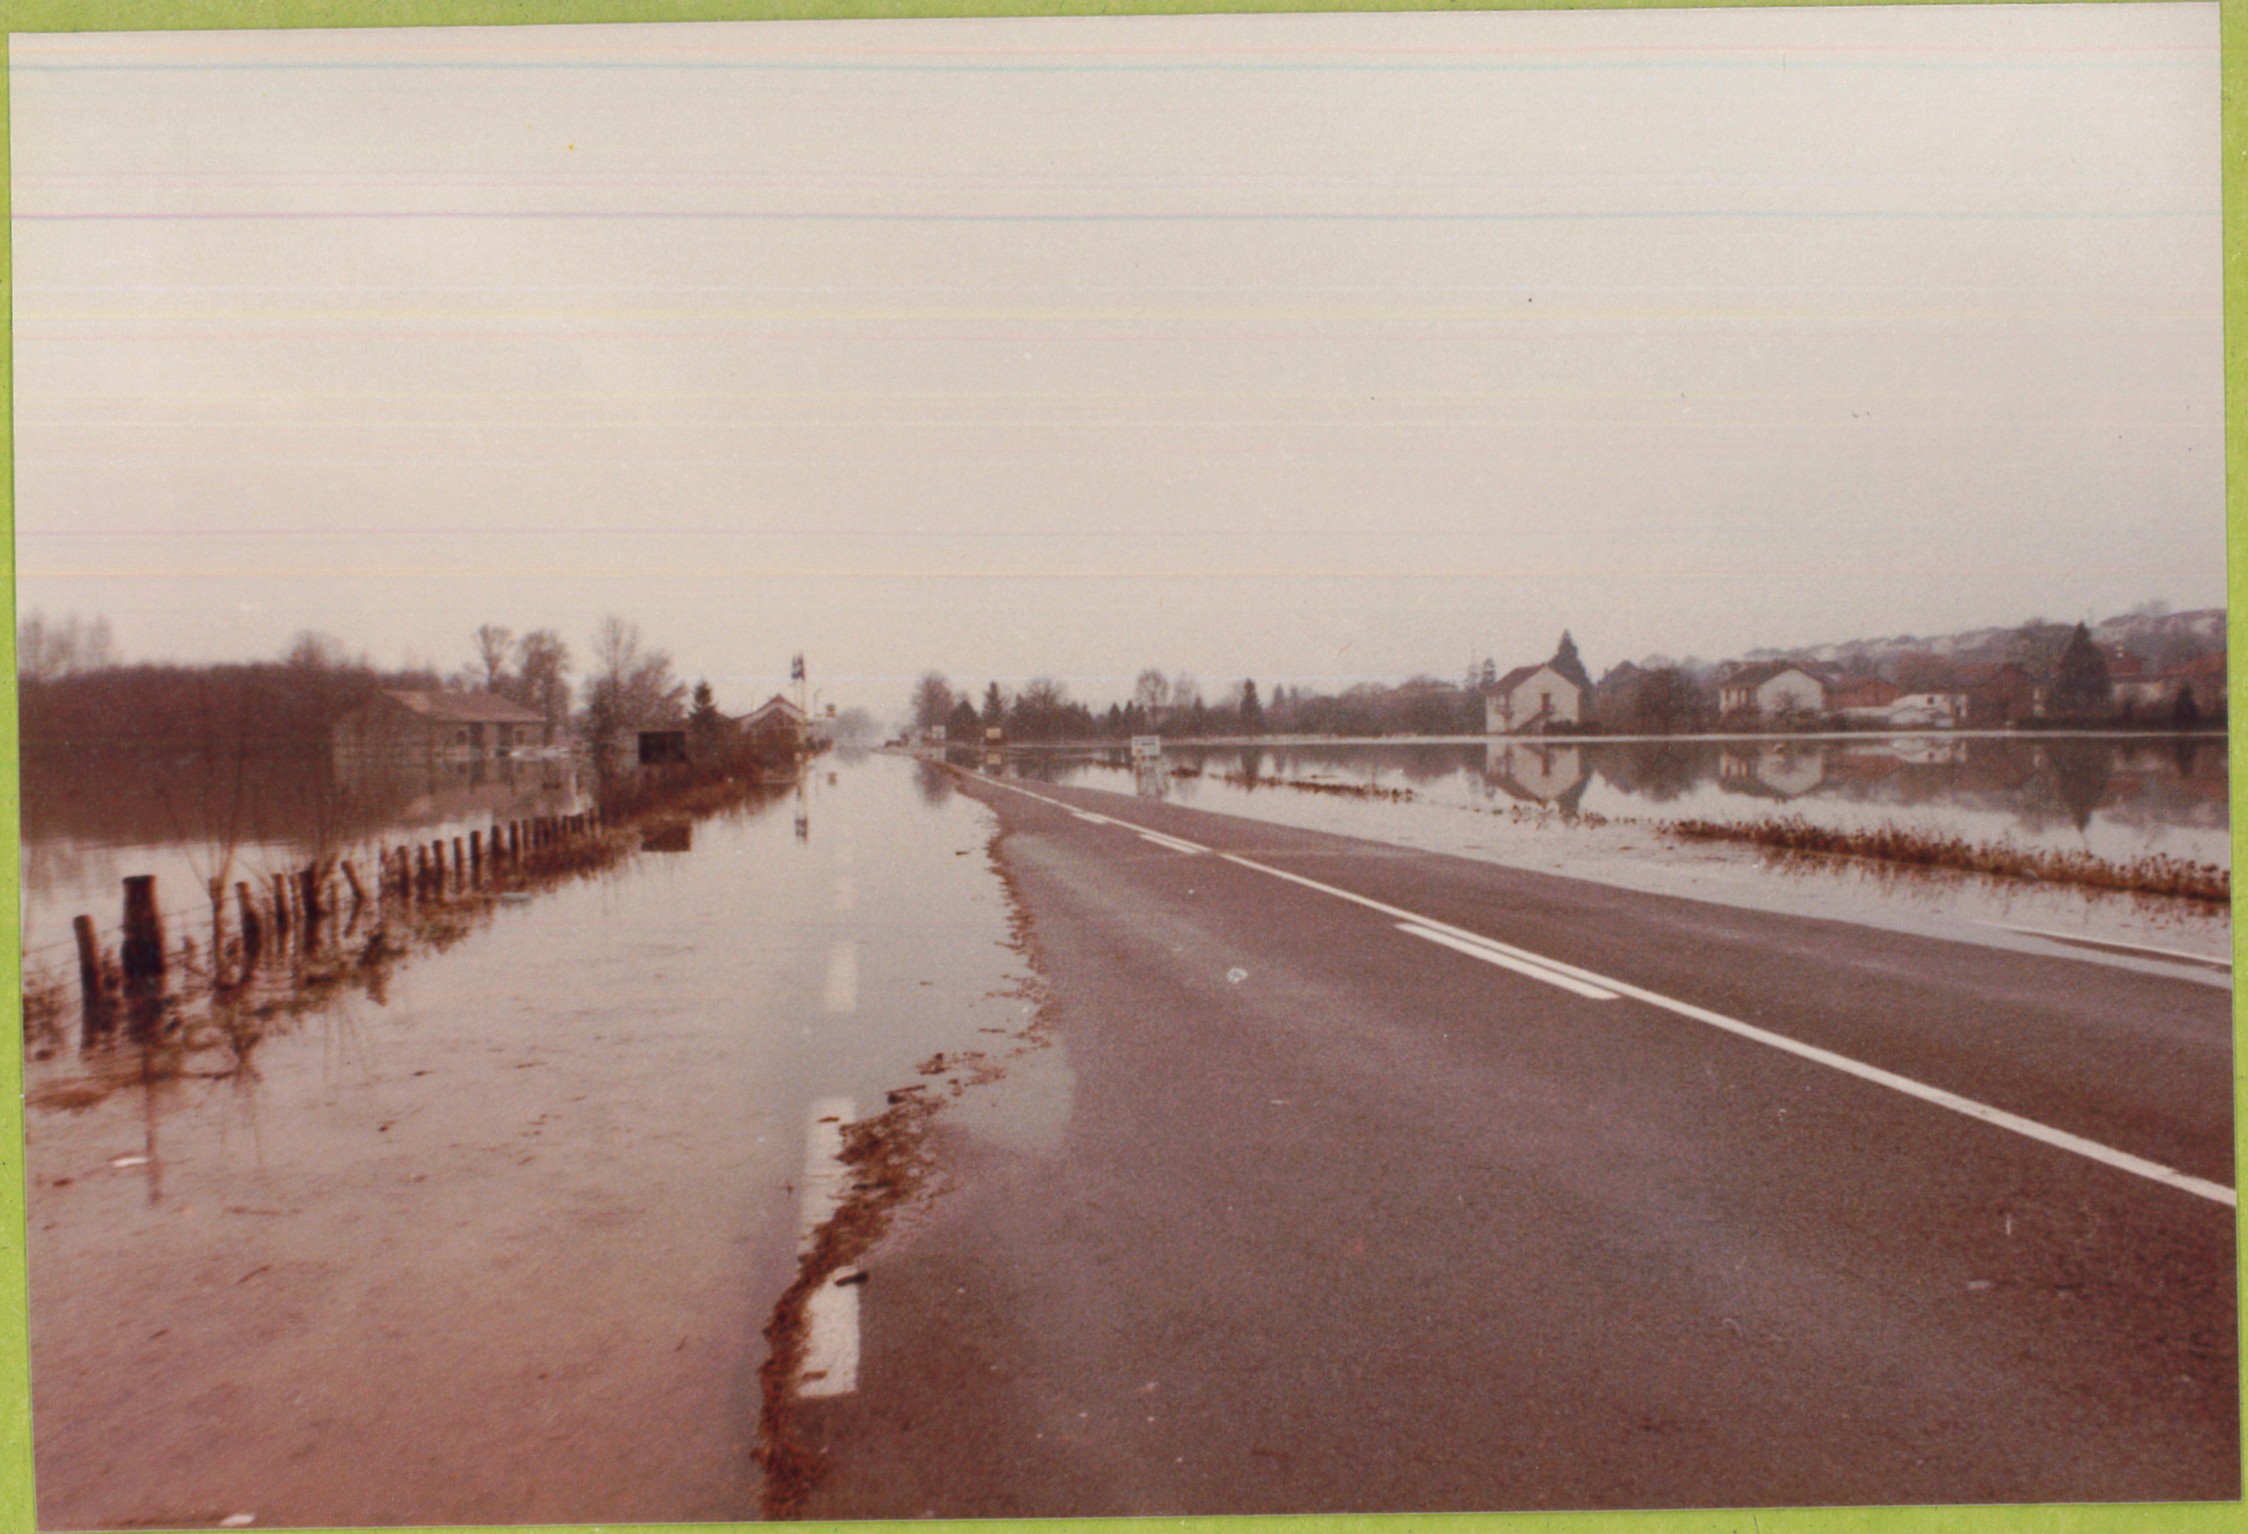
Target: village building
777, 722
1999, 695
1615, 699
661, 748
1929, 711
2144, 692
1863, 698
400, 727
1531, 700
1772, 690
2204, 679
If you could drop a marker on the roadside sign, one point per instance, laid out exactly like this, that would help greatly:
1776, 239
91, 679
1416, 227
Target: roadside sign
1147, 748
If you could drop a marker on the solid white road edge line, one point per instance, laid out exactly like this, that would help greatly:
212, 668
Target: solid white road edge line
1490, 954
2109, 945
2044, 1134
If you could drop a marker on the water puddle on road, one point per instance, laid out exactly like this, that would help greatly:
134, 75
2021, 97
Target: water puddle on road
501, 1246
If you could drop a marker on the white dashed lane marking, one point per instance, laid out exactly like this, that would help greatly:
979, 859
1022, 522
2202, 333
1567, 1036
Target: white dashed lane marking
842, 994
831, 1313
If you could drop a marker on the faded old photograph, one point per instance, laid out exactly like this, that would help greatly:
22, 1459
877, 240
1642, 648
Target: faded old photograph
1158, 765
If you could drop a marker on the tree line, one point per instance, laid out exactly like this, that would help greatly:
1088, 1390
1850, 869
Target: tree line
1174, 705
73, 691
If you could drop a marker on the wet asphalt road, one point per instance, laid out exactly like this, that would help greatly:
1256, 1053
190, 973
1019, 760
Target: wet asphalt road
1343, 1219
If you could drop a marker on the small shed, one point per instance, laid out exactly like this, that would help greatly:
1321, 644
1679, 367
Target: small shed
662, 748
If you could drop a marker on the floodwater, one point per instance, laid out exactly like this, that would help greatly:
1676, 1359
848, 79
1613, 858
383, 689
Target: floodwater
499, 1246
93, 819
1594, 810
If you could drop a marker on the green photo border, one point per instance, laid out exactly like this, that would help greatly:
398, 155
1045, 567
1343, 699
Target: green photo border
17, 1511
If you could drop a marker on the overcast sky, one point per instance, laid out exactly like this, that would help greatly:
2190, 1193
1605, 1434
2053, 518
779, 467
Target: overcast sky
1313, 348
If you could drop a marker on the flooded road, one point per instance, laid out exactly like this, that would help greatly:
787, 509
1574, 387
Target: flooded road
499, 1245
1394, 1181
1598, 809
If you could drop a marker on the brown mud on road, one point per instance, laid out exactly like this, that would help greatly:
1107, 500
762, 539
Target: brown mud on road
894, 1169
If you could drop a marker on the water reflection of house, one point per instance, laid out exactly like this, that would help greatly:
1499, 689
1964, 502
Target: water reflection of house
1777, 771
1923, 752
1553, 775
397, 727
371, 794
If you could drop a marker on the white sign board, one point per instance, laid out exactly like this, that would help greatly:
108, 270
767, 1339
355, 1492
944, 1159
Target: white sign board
1146, 748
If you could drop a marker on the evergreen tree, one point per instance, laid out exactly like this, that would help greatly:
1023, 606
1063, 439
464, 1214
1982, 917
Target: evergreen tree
2081, 687
1252, 712
1566, 662
962, 725
706, 727
994, 706
2185, 712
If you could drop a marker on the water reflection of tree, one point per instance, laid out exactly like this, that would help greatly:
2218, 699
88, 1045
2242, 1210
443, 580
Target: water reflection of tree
1656, 770
2077, 772
934, 780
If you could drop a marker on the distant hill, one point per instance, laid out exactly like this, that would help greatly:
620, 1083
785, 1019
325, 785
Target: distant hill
2160, 639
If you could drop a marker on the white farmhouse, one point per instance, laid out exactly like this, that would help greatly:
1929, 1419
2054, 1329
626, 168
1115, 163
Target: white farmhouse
1772, 690
1530, 699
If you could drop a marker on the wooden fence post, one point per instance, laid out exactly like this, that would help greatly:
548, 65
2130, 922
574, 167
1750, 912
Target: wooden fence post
94, 1000
253, 930
142, 954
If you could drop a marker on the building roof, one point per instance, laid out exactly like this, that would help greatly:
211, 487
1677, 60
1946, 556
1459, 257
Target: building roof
1521, 674
2211, 665
1872, 690
463, 707
1763, 671
777, 706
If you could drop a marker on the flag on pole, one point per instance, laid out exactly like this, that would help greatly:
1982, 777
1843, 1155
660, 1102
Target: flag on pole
796, 668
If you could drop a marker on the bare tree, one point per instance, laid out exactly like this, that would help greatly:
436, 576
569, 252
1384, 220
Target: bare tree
47, 649
542, 678
634, 687
932, 700
493, 646
312, 650
1151, 694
